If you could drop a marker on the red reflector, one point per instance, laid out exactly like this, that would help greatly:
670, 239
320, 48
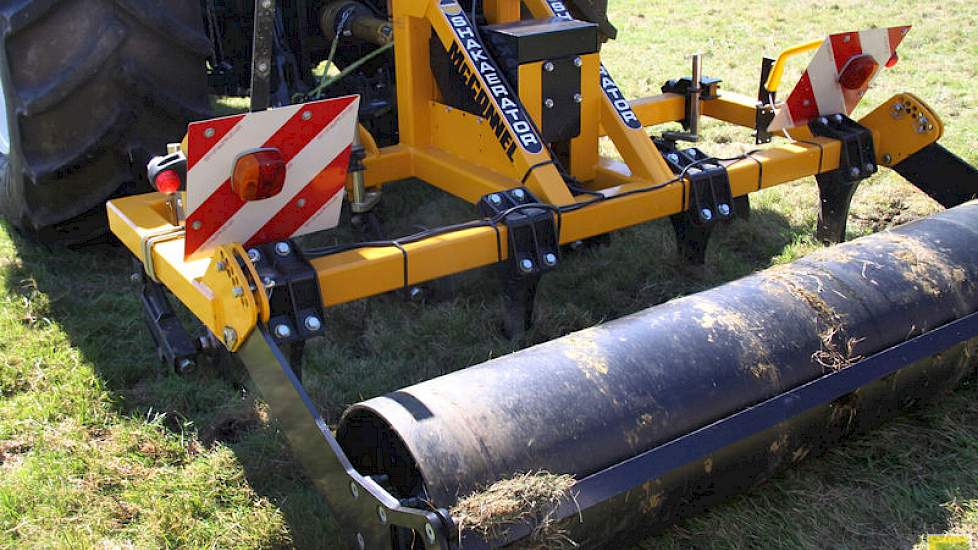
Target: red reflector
892, 60
167, 181
258, 175
857, 72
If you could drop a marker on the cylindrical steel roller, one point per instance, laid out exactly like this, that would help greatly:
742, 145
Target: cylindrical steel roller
594, 398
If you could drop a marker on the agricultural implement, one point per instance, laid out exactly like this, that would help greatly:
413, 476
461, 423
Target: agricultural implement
655, 415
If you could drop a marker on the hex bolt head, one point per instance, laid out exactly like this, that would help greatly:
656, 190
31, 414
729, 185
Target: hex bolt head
578, 61
869, 168
724, 209
854, 171
548, 66
673, 157
495, 199
230, 337
186, 366
429, 532
706, 214
313, 324
519, 194
382, 515
526, 265
354, 489
237, 292
254, 255
578, 98
887, 158
283, 331
283, 248
823, 120
548, 103
550, 259
837, 117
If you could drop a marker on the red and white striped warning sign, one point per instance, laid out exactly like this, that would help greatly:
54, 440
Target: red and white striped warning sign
314, 139
819, 91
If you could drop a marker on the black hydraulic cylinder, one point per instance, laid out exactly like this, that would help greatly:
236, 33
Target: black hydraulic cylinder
592, 399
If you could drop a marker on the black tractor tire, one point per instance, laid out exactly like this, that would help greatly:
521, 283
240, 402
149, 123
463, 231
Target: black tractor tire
92, 89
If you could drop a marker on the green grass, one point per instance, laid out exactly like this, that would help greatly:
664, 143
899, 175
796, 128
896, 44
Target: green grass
100, 448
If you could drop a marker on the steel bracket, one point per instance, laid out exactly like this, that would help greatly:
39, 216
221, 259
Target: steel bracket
292, 286
533, 249
857, 161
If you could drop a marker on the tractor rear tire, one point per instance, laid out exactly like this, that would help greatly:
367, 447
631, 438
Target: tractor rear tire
90, 90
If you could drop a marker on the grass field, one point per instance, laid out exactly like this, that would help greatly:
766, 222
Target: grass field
101, 448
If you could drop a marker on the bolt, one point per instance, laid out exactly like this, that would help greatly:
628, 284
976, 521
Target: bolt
897, 111
887, 158
429, 532
361, 544
548, 103
283, 331
495, 199
313, 324
706, 214
578, 98
263, 67
382, 515
237, 292
578, 61
306, 115
268, 282
724, 209
548, 66
416, 293
209, 133
347, 32
283, 248
300, 203
869, 168
837, 118
526, 265
519, 194
354, 489
196, 225
673, 158
230, 337
254, 255
220, 266
186, 366
266, 4
136, 277
854, 171
550, 259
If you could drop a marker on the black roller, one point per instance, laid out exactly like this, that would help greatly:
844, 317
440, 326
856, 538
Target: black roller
597, 397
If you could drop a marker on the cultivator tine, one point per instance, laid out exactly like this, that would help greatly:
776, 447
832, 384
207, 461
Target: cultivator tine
941, 174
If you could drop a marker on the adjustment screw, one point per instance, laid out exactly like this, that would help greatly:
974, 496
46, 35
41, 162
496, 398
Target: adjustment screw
519, 194
354, 489
283, 331
230, 337
578, 61
526, 265
578, 98
382, 514
548, 66
550, 259
254, 255
313, 324
548, 103
429, 532
283, 248
706, 214
724, 209
854, 171
495, 199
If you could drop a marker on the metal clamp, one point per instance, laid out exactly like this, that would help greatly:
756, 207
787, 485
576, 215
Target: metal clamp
857, 155
533, 240
153, 239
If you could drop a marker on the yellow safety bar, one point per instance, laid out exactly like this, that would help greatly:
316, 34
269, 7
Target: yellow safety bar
778, 71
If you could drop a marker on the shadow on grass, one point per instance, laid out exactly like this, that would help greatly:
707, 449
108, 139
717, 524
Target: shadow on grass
374, 346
